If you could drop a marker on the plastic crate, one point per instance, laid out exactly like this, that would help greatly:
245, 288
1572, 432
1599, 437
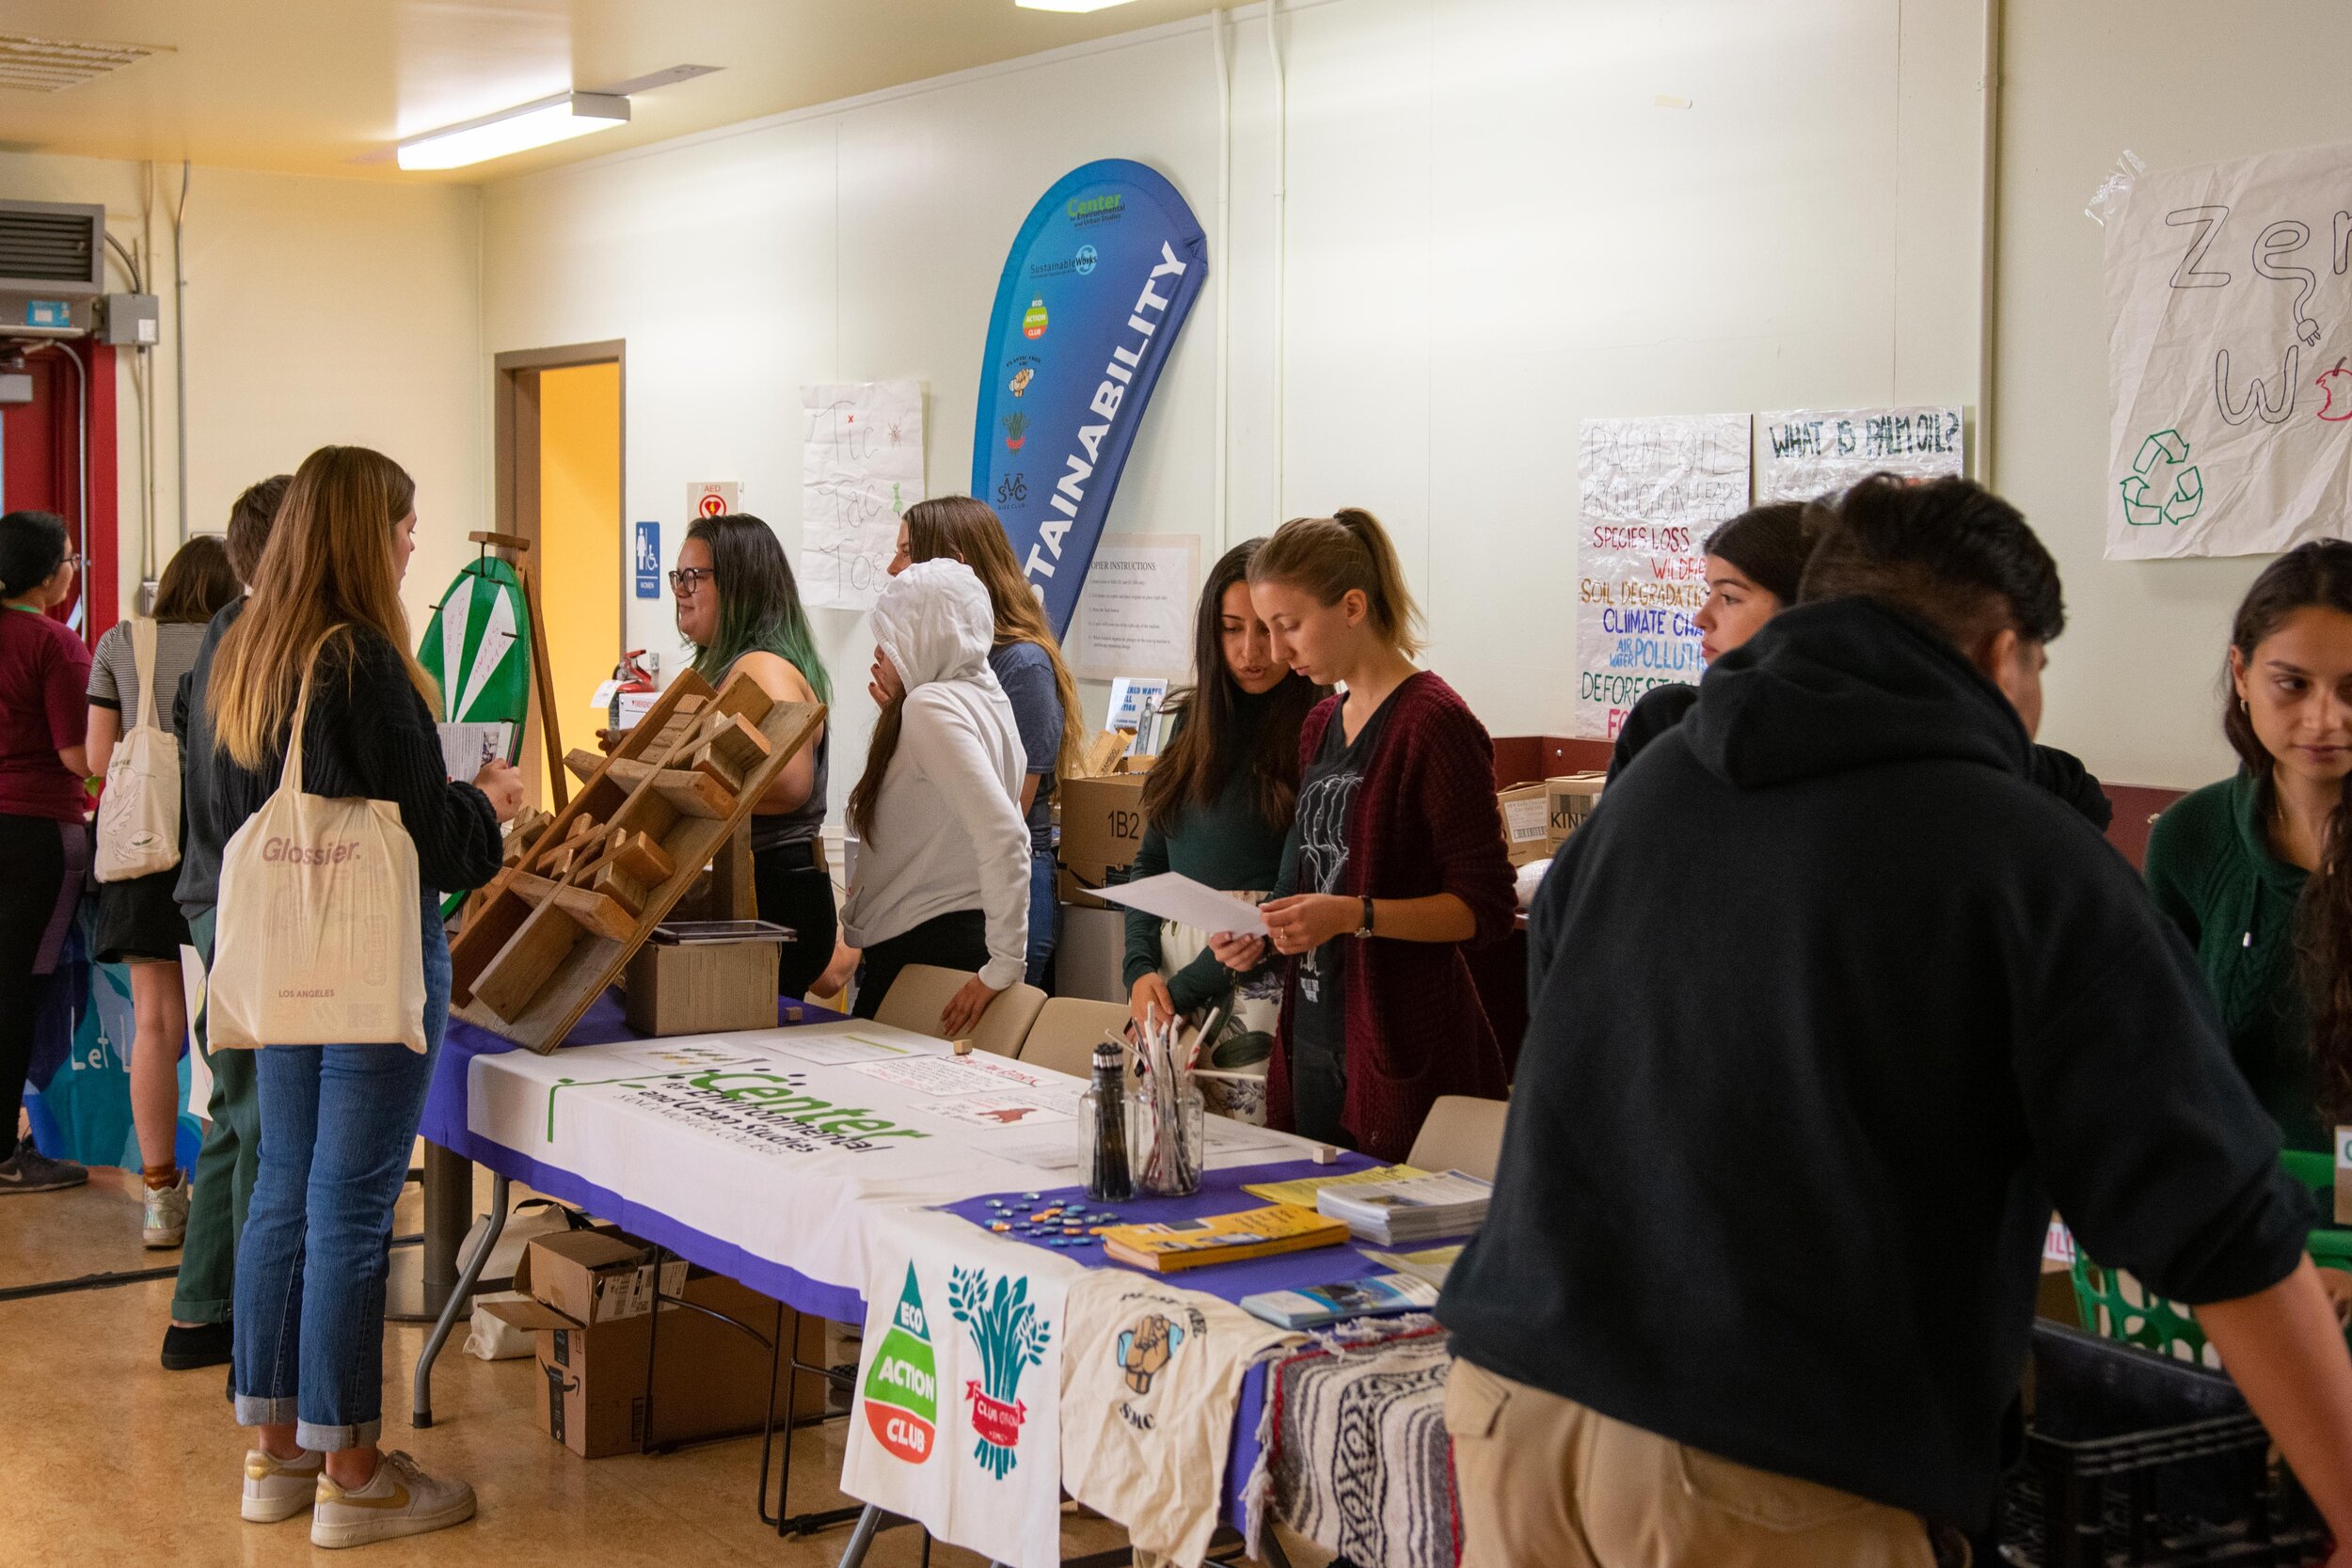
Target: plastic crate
2138, 1460
2116, 1306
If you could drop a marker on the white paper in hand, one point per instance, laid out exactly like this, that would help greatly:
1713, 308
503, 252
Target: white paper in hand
1188, 903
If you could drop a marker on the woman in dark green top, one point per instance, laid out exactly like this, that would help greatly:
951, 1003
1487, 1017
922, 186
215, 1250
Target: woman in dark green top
2255, 870
1217, 807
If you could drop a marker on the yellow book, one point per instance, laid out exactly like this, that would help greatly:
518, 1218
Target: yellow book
1222, 1238
1303, 1190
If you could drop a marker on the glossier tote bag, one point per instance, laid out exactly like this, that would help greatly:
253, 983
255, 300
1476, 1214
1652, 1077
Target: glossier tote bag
318, 940
138, 819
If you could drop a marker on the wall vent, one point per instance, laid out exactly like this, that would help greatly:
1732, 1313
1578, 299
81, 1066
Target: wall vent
53, 65
52, 246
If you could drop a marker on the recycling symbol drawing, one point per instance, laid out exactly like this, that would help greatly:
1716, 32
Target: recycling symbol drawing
2163, 456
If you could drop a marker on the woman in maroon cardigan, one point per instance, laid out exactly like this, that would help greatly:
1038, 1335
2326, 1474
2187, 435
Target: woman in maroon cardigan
1395, 862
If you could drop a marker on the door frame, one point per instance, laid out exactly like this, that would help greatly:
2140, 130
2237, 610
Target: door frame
515, 478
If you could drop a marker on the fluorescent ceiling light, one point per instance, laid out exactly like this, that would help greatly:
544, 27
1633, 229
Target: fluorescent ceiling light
537, 125
1068, 5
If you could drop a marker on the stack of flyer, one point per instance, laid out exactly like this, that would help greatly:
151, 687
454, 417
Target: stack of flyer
1413, 1209
1317, 1305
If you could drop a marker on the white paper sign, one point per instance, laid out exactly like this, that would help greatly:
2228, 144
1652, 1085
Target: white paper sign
1174, 896
712, 497
1807, 453
861, 468
1135, 615
1652, 491
2229, 357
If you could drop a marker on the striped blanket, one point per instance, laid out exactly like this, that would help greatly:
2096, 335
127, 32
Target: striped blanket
1359, 1459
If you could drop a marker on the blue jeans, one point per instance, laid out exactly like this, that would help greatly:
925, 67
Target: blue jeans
338, 1123
1043, 911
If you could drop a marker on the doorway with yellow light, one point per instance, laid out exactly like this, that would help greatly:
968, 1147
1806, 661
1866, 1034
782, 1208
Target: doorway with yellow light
559, 427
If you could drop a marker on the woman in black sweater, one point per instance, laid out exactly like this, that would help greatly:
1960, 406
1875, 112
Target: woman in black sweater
337, 1121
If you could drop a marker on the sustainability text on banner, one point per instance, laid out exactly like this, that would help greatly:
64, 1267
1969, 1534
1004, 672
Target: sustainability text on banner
1102, 275
1653, 491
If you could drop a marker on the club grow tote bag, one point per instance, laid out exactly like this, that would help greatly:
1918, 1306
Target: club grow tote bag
318, 941
138, 819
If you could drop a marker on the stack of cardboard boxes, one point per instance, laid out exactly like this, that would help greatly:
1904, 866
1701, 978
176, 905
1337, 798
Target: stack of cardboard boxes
588, 1296
1537, 818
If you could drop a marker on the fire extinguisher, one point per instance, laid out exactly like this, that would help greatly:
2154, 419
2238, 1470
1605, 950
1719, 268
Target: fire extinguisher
635, 673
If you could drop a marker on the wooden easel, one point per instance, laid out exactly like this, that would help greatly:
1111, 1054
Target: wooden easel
516, 551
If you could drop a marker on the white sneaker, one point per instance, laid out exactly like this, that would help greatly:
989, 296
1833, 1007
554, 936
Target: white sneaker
165, 1220
400, 1500
278, 1489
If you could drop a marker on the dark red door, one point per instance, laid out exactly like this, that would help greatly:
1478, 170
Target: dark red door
57, 454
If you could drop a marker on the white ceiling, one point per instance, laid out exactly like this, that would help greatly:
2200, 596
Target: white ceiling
325, 87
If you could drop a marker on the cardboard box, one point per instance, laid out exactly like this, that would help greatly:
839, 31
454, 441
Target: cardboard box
1525, 835
701, 987
711, 1379
1102, 828
1568, 799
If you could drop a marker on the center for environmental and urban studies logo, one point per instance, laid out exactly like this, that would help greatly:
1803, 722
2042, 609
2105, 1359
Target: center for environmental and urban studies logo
1010, 1339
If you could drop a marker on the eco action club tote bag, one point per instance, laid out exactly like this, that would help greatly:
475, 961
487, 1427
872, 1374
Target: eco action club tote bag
139, 821
318, 941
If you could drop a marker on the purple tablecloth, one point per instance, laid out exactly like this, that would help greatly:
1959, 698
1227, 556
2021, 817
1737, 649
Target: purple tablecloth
1220, 1193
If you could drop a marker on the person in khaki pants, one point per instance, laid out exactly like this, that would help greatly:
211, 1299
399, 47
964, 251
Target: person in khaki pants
1544, 1480
1829, 1003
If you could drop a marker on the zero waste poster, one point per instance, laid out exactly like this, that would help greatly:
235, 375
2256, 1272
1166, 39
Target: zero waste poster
1099, 280
2229, 357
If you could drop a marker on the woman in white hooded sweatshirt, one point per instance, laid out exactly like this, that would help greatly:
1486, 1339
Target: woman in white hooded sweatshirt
943, 866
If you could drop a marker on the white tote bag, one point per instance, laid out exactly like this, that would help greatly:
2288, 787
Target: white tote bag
138, 819
318, 940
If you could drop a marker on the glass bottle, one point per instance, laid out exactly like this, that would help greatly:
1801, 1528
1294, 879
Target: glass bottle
1103, 1128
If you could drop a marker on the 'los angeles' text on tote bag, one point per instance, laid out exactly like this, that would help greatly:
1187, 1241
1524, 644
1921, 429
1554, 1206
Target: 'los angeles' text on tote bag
318, 941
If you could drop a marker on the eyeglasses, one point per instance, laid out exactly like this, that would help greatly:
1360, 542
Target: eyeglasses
685, 580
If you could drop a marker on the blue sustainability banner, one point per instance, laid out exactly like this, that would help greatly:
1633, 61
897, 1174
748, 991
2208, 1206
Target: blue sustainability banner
1101, 278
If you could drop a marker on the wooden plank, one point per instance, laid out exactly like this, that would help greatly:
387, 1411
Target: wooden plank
594, 962
598, 914
495, 921
521, 969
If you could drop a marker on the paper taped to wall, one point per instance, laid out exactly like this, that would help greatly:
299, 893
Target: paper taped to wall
1807, 452
1652, 491
2229, 357
861, 468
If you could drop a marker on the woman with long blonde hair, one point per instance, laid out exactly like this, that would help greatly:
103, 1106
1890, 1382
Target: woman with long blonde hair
339, 1121
1026, 658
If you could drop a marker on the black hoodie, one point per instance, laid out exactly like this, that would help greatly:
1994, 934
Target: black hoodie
1828, 1004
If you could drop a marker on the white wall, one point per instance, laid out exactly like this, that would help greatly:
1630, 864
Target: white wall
1494, 232
2135, 684
318, 311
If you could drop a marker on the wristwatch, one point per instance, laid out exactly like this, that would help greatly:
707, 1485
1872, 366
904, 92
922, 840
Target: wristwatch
1365, 929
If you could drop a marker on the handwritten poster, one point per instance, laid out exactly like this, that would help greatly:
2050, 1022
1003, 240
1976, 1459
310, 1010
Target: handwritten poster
861, 467
2229, 357
1134, 617
1652, 490
1805, 452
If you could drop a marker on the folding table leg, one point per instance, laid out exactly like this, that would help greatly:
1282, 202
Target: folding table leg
853, 1555
421, 1413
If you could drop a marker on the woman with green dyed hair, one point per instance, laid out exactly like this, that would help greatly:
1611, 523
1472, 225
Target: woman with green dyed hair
740, 608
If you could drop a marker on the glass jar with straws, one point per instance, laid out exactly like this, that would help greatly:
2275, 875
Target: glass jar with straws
1170, 1132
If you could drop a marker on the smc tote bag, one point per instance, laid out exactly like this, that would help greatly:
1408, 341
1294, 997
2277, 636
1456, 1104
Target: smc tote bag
139, 820
318, 940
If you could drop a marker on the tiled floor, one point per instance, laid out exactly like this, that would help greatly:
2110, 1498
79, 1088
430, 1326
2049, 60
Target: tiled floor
110, 1459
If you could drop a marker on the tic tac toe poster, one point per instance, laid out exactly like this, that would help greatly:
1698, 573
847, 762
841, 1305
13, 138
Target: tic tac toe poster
2229, 357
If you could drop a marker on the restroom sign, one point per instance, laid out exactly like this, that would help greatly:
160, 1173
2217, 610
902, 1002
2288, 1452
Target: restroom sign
711, 498
648, 561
